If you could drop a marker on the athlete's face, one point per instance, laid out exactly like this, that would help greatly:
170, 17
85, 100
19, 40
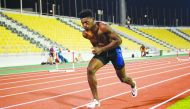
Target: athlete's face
87, 23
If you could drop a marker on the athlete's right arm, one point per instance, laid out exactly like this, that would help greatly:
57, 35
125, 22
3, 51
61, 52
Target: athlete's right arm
84, 34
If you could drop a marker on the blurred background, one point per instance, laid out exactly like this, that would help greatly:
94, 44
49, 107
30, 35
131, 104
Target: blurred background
149, 12
29, 28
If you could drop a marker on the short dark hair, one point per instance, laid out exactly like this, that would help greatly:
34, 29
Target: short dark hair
86, 13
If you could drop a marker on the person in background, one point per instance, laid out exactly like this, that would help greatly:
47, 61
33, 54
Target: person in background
52, 55
143, 50
61, 57
128, 21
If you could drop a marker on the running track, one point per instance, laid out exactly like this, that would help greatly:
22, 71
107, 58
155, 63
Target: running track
158, 81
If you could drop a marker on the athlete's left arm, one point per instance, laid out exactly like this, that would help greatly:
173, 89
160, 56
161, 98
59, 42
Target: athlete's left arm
115, 40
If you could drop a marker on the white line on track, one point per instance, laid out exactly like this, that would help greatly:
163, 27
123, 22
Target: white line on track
168, 60
71, 74
75, 78
69, 93
76, 74
86, 81
158, 105
138, 89
25, 77
35, 74
25, 103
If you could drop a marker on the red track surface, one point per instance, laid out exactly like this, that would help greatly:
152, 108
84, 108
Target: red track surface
157, 80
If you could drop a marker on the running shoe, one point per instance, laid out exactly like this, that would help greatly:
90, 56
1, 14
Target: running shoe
94, 103
134, 90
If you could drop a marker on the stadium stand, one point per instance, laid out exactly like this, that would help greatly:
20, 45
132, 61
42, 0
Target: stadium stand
179, 33
187, 31
25, 32
140, 37
167, 37
54, 30
12, 43
66, 31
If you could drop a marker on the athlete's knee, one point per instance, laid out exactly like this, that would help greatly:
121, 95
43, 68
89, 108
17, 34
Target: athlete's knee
90, 71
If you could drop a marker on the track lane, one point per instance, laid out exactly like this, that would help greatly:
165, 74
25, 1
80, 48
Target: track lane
56, 91
57, 84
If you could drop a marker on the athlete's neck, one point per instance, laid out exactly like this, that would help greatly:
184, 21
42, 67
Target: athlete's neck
94, 28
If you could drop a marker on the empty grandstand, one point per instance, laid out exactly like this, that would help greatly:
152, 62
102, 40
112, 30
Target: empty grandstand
45, 24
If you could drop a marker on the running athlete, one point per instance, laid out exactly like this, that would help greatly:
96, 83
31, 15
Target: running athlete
106, 48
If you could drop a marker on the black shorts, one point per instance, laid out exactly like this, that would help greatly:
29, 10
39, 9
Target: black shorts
113, 55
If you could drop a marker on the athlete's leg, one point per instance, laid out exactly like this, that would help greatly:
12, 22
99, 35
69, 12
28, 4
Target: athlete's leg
123, 78
93, 66
119, 66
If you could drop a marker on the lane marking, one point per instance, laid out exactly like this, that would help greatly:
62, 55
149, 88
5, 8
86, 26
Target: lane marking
35, 75
70, 78
43, 99
128, 63
156, 106
138, 89
86, 81
74, 74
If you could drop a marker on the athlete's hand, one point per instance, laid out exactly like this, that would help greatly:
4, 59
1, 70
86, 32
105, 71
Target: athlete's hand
97, 50
87, 34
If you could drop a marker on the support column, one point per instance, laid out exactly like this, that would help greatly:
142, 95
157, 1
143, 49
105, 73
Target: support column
122, 11
40, 7
20, 6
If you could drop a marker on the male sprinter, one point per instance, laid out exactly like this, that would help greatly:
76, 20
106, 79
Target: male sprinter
106, 48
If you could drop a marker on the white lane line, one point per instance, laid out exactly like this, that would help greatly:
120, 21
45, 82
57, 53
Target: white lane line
156, 106
168, 60
129, 64
73, 78
43, 99
49, 74
27, 85
30, 76
70, 74
53, 87
21, 76
52, 81
46, 74
74, 74
138, 89
86, 81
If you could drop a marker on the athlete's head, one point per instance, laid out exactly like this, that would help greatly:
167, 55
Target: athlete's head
87, 19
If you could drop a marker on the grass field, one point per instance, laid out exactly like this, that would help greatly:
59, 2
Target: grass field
181, 104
